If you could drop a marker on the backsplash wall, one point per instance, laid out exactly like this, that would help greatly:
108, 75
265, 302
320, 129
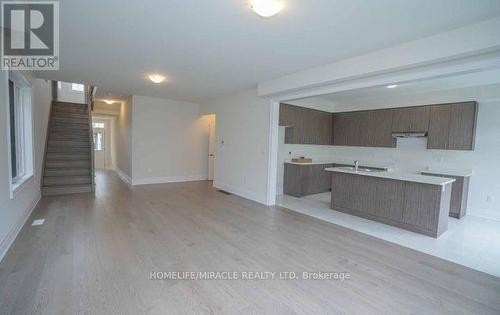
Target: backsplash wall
412, 156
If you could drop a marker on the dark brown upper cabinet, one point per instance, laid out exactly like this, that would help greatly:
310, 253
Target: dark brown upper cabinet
363, 128
449, 126
463, 126
452, 126
439, 127
381, 128
306, 126
341, 128
411, 119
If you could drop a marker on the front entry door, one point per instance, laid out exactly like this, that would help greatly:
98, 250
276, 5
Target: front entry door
99, 148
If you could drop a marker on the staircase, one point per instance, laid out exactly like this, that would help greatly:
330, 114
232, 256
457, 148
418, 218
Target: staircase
68, 159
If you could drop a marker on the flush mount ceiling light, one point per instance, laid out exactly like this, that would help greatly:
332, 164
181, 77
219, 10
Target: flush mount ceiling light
266, 8
392, 86
109, 102
156, 78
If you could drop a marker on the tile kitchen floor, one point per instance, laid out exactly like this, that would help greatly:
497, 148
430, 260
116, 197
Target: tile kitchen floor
472, 241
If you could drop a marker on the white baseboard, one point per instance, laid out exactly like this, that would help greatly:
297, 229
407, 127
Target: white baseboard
484, 213
169, 179
7, 242
241, 192
124, 177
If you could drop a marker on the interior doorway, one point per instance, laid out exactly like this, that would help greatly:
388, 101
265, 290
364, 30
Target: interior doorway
99, 148
104, 130
211, 146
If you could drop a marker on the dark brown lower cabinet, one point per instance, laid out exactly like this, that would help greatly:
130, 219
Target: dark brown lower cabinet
459, 194
417, 207
308, 179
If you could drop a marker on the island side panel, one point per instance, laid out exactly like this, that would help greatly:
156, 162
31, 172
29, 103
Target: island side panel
444, 209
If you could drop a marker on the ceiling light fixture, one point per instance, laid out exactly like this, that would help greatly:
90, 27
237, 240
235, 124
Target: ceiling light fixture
109, 102
266, 8
392, 86
157, 78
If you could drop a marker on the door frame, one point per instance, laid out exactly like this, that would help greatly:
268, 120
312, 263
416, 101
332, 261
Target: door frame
104, 146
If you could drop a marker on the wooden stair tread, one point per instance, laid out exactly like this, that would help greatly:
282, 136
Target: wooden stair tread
68, 168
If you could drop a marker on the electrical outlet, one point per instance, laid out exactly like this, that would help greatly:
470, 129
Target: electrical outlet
38, 222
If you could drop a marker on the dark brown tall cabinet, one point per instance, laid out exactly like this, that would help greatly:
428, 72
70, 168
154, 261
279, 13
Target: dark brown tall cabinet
452, 126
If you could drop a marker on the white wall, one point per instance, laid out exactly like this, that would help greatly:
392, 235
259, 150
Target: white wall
241, 163
123, 136
14, 212
412, 155
101, 107
169, 141
66, 94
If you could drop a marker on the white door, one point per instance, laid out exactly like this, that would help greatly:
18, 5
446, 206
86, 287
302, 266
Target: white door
211, 148
99, 148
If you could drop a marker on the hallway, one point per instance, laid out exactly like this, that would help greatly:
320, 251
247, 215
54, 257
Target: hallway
94, 255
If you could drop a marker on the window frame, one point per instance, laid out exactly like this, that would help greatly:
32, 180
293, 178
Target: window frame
23, 134
77, 87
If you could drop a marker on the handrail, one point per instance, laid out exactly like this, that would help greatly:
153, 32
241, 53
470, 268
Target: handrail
89, 94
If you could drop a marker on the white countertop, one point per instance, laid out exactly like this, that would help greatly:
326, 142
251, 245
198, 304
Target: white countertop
450, 172
417, 178
345, 162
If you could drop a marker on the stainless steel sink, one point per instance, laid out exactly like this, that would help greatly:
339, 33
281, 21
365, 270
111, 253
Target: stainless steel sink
363, 169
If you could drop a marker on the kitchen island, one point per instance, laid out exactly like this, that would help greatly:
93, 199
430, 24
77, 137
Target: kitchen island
413, 202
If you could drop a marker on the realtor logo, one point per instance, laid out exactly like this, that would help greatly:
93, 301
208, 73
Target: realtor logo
30, 35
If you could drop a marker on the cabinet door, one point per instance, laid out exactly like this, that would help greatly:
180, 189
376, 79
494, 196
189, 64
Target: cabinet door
381, 128
341, 128
389, 200
292, 180
315, 179
421, 202
286, 115
353, 192
411, 119
462, 126
321, 123
365, 191
439, 126
341, 190
359, 132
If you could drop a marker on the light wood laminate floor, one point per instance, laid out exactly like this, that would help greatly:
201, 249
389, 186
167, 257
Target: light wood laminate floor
94, 255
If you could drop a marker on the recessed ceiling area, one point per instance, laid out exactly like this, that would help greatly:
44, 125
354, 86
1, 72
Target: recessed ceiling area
212, 48
365, 98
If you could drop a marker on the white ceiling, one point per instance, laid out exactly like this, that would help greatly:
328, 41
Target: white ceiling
212, 48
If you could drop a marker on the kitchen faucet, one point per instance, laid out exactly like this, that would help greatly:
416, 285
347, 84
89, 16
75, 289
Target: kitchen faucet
356, 165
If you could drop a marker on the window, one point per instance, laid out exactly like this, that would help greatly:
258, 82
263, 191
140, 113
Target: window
77, 87
98, 141
20, 129
97, 125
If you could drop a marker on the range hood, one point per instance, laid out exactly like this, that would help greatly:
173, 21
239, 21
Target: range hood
409, 134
